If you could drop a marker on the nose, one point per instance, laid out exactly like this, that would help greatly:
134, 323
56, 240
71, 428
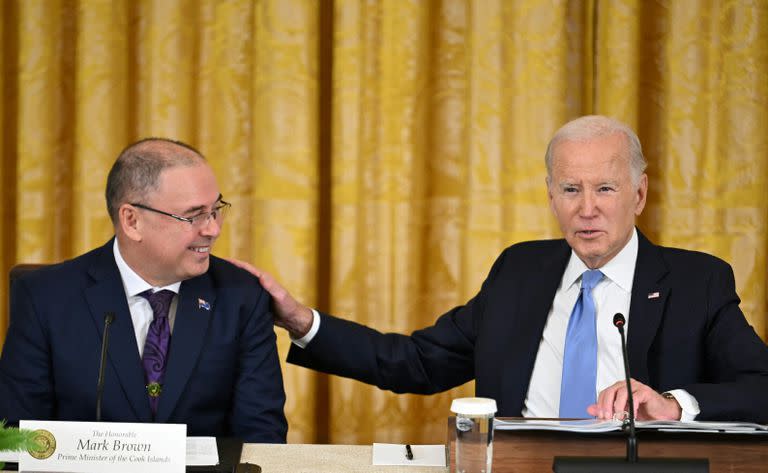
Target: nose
212, 226
588, 206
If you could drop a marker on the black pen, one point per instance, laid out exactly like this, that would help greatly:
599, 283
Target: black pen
408, 452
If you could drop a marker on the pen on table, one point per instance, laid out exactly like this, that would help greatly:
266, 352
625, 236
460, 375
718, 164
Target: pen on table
408, 452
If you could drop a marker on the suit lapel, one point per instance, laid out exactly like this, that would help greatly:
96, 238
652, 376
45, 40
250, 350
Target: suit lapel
535, 296
107, 295
189, 336
649, 296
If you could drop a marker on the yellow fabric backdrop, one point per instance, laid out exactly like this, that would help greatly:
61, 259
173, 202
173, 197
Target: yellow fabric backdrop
380, 154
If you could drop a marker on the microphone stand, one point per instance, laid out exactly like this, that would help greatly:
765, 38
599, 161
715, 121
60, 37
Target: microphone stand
632, 438
630, 464
109, 317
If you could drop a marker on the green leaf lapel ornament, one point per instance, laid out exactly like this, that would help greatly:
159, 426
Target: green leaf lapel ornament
154, 389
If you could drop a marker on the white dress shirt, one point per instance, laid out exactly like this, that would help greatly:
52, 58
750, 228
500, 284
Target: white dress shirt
141, 311
611, 295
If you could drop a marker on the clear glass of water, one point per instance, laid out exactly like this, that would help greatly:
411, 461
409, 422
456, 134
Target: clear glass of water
474, 434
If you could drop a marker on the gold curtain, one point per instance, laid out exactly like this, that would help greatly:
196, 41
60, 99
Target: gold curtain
380, 154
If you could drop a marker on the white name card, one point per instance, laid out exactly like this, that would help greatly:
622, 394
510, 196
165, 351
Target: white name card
96, 447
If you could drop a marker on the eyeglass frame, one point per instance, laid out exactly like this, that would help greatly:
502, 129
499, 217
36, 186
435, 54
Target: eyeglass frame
223, 204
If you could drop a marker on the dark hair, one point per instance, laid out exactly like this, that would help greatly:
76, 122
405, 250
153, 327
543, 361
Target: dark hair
137, 169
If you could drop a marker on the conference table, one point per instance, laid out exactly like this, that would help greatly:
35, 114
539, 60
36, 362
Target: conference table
533, 451
526, 452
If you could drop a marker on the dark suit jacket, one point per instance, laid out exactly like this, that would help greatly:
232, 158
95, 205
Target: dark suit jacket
692, 336
222, 378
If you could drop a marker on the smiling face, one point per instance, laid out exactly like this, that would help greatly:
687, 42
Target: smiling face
593, 197
164, 250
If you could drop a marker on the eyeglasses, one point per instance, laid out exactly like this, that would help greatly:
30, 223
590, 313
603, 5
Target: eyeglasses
197, 221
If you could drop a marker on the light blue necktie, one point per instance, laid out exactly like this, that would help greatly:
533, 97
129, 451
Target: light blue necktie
577, 387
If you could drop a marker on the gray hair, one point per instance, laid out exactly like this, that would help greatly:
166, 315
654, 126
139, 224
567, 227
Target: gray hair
595, 126
137, 169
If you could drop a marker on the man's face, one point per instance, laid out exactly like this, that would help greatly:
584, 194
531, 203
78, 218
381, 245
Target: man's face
173, 250
593, 198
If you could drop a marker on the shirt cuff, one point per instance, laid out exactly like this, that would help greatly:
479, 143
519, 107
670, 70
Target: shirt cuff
688, 404
304, 341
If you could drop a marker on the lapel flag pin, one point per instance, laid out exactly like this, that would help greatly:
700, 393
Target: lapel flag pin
202, 304
653, 295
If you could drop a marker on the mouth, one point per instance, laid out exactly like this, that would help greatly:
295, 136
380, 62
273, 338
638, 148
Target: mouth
588, 233
200, 249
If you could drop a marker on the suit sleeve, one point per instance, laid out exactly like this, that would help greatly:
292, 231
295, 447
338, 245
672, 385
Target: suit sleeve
430, 360
257, 409
735, 382
26, 387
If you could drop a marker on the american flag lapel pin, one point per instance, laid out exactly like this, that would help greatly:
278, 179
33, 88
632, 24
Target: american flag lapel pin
203, 304
653, 295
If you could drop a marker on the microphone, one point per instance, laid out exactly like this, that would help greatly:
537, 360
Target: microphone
619, 321
630, 464
109, 317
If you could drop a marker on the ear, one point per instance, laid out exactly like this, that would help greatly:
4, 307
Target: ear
129, 222
642, 193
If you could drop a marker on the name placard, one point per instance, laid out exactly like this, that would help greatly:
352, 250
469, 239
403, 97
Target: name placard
96, 447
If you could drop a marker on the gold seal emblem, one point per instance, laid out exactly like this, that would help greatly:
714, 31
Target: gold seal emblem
46, 445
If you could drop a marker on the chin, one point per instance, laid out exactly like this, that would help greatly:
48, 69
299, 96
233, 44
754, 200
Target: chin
197, 269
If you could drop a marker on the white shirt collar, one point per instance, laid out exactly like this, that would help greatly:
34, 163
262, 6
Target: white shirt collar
620, 269
133, 284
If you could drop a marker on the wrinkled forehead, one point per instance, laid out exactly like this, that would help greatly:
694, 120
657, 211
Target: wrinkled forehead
614, 143
607, 155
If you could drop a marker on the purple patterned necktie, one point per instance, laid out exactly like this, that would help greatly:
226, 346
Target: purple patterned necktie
156, 346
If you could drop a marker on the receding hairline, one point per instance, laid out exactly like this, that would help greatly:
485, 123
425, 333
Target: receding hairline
591, 127
139, 166
168, 151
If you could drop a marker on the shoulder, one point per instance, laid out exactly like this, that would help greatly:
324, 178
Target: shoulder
228, 277
691, 261
537, 246
529, 257
72, 272
223, 271
535, 250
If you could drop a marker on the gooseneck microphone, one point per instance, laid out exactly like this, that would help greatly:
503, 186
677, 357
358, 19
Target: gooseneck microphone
619, 321
109, 317
630, 464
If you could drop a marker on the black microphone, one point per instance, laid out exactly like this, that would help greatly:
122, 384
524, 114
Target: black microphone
630, 464
109, 317
619, 321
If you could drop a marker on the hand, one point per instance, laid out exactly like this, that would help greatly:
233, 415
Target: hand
289, 313
649, 405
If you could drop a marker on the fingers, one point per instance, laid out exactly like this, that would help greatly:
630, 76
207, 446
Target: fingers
267, 281
649, 404
271, 285
613, 400
288, 312
246, 266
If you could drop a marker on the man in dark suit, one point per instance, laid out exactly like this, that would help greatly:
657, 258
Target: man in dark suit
192, 340
543, 344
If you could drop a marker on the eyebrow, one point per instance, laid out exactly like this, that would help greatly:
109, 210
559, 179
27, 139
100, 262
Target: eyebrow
200, 208
599, 183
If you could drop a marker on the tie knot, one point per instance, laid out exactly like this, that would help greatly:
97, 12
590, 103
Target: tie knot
160, 301
590, 278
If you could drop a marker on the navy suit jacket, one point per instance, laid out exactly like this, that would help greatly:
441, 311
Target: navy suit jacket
692, 336
222, 378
